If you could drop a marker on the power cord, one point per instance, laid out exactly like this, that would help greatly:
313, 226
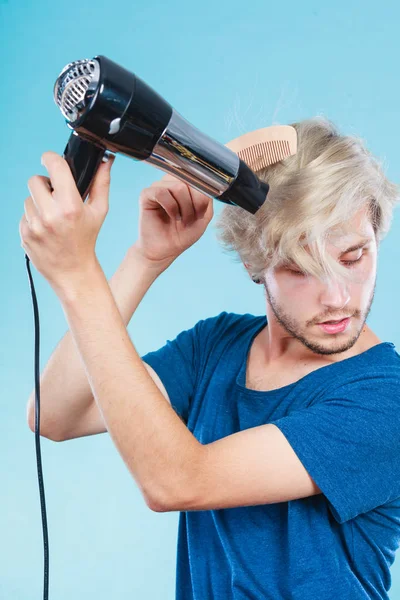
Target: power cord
37, 435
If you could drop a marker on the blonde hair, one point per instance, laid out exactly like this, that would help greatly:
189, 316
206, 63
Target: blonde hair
312, 198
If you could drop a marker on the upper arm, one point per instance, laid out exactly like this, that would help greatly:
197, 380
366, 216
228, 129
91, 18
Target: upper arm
92, 423
250, 467
346, 447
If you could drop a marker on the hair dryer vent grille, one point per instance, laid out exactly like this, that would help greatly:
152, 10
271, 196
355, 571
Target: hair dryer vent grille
72, 85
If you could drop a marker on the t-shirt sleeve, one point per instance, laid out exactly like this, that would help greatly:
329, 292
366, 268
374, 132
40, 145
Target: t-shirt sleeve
349, 443
179, 362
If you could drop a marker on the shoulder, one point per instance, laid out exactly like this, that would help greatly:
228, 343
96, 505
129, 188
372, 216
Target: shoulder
229, 324
371, 379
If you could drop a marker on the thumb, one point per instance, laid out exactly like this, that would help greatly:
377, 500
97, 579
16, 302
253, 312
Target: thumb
99, 190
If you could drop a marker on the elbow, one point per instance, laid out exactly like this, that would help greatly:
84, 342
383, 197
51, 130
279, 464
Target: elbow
181, 502
156, 506
156, 502
163, 500
52, 438
184, 495
30, 417
30, 414
164, 505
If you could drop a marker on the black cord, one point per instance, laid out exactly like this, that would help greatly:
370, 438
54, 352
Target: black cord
37, 434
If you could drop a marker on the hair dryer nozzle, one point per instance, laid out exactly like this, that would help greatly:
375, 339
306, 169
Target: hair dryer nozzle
247, 191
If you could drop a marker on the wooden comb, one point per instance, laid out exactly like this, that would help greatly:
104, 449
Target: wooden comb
265, 146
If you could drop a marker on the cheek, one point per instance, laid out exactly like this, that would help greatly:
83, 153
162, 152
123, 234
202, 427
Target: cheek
301, 284
284, 285
293, 293
365, 275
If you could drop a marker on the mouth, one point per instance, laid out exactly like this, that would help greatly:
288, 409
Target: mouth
338, 327
334, 322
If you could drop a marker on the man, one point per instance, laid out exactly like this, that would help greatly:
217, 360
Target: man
286, 466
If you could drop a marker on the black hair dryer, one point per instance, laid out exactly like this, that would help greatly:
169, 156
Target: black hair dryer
111, 109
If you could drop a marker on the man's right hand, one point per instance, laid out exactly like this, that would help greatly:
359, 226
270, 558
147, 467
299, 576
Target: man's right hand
162, 237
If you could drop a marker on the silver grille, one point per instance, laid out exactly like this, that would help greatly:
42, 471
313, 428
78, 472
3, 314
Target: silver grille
70, 89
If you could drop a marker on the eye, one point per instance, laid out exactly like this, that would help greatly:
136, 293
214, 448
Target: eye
348, 263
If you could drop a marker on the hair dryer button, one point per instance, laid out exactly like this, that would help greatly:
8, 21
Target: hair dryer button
114, 126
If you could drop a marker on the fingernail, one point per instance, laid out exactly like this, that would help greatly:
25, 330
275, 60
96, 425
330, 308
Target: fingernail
108, 157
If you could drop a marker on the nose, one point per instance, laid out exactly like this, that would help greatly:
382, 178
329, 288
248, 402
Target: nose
335, 294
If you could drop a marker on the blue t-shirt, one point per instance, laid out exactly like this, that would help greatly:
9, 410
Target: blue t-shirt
343, 422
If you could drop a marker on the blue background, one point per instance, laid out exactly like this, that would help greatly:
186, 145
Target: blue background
228, 67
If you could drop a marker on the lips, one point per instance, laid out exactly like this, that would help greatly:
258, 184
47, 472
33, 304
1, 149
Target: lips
333, 322
336, 321
338, 328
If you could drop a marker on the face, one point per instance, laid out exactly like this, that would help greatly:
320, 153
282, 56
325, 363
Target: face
296, 303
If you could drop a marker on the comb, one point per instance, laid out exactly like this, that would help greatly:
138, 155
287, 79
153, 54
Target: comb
266, 146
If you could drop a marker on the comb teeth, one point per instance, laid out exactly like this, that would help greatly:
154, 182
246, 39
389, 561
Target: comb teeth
264, 154
263, 147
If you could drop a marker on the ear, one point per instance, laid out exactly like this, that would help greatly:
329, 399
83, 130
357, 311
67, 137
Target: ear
248, 269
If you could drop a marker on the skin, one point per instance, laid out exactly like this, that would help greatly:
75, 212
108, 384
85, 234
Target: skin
292, 334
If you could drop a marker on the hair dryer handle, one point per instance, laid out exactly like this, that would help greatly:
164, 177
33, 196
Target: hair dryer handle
83, 158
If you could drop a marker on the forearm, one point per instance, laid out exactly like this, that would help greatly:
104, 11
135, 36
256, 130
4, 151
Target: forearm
65, 393
158, 449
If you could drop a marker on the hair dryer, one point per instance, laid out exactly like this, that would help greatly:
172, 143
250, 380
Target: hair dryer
111, 109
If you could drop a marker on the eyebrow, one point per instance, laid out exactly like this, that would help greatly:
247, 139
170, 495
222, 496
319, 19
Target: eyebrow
360, 244
363, 242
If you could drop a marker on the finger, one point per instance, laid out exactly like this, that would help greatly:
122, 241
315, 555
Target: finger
181, 194
208, 213
202, 203
31, 220
23, 230
23, 225
199, 199
194, 213
40, 190
61, 179
100, 188
204, 210
30, 210
154, 197
194, 203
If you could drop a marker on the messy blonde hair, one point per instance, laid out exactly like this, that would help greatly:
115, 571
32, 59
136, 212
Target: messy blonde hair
312, 198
